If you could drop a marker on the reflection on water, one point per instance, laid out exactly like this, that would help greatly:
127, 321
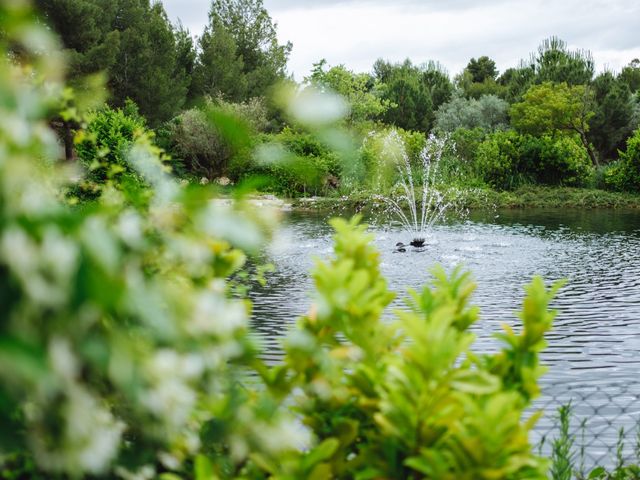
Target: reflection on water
596, 337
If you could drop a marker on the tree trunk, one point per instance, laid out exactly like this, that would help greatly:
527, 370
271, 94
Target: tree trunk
585, 142
587, 145
67, 135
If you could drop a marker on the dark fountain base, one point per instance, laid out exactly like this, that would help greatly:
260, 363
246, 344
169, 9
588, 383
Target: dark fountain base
417, 243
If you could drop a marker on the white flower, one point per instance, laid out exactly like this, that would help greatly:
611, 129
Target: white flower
146, 472
89, 441
62, 359
129, 227
216, 315
285, 435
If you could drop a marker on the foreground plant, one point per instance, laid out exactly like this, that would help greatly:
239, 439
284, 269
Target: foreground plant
123, 355
118, 340
408, 399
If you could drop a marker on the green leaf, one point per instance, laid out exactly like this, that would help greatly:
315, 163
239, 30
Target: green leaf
475, 382
320, 453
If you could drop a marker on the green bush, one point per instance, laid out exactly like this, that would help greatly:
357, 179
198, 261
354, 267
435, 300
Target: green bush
302, 165
408, 399
507, 160
466, 143
104, 144
118, 339
458, 165
198, 144
625, 173
498, 160
559, 160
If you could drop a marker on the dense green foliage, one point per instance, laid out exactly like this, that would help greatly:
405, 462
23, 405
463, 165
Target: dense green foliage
613, 120
133, 42
625, 173
125, 352
238, 60
362, 92
507, 160
116, 335
554, 62
240, 57
103, 147
414, 93
200, 148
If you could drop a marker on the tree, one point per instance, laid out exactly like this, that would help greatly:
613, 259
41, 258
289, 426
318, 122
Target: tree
630, 75
479, 78
554, 62
219, 69
185, 52
516, 81
84, 26
415, 93
132, 41
146, 68
614, 111
360, 90
488, 112
555, 108
482, 69
240, 45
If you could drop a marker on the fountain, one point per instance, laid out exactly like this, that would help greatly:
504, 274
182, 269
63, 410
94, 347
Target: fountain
418, 209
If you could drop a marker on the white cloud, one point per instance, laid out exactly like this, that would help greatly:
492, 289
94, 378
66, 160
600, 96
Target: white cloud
358, 32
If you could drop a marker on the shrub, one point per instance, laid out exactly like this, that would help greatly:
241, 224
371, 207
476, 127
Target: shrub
466, 143
507, 160
498, 160
559, 160
488, 112
625, 173
104, 144
198, 145
381, 151
458, 165
118, 340
408, 399
303, 165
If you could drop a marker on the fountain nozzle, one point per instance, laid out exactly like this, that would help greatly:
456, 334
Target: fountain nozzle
417, 242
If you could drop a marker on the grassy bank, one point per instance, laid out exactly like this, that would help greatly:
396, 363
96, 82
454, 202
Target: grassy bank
478, 199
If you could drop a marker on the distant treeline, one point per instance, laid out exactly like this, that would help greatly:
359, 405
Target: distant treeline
552, 104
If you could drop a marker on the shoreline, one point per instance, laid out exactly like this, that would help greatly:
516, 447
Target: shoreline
485, 199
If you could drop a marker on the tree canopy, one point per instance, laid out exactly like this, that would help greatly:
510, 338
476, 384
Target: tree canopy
240, 56
133, 42
414, 92
361, 90
554, 62
551, 108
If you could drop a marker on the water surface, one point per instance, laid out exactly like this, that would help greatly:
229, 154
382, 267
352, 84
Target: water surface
594, 348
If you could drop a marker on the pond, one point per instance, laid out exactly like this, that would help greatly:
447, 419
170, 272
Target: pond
594, 348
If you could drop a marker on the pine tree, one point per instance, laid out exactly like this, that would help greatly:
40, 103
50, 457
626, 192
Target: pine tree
133, 42
240, 55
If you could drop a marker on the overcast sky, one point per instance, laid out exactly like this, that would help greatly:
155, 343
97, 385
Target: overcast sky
357, 32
